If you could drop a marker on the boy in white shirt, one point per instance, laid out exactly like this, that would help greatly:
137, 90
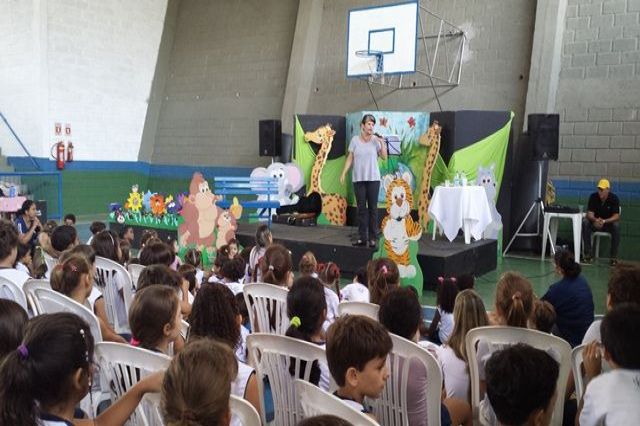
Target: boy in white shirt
613, 398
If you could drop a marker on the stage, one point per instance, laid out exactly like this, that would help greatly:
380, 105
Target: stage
333, 243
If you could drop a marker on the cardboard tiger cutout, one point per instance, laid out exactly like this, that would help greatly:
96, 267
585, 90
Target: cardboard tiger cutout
398, 227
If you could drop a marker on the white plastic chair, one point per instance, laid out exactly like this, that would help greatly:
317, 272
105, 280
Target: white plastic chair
391, 407
359, 308
263, 302
29, 288
576, 364
316, 402
51, 262
271, 356
50, 302
600, 234
123, 366
244, 412
499, 337
184, 330
150, 405
12, 291
110, 277
135, 270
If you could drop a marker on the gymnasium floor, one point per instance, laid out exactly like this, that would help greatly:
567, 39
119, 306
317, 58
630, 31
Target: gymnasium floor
540, 273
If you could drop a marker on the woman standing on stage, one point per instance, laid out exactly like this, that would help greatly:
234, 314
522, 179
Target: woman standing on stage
364, 150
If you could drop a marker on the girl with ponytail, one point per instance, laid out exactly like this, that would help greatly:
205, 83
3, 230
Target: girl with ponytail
73, 277
307, 310
276, 266
513, 308
382, 276
330, 277
46, 376
571, 298
514, 300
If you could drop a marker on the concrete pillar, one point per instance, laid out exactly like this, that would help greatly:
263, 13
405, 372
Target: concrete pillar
302, 61
546, 55
149, 131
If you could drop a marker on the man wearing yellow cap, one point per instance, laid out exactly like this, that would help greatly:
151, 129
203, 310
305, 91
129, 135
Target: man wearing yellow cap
603, 214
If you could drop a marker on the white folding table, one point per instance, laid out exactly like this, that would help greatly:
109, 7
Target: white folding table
550, 231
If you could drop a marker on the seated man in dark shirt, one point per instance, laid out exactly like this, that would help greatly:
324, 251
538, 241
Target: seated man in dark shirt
603, 214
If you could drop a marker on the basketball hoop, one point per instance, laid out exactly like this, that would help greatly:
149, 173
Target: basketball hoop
375, 63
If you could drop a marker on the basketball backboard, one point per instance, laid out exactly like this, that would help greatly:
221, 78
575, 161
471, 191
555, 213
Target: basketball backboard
382, 40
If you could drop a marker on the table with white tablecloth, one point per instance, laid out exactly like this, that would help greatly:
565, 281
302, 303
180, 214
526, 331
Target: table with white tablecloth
455, 207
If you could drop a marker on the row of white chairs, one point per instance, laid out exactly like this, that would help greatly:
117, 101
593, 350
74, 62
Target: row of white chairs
110, 278
267, 306
121, 366
260, 299
270, 353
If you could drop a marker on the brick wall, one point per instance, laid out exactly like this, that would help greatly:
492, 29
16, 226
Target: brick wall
599, 92
227, 70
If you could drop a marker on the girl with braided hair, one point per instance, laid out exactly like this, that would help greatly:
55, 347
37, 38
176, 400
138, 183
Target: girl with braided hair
216, 315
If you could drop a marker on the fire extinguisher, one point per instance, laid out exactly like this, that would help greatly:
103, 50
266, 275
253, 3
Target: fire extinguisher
69, 152
59, 155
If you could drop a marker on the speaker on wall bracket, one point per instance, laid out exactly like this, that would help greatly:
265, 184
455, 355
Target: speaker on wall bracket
543, 132
270, 138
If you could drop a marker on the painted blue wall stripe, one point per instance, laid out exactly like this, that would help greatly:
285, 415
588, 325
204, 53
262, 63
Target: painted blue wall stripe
152, 170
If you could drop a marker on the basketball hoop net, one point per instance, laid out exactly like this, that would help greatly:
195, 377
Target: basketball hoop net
375, 62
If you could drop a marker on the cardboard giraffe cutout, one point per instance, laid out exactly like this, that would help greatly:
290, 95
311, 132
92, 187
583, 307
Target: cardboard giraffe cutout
400, 234
334, 206
430, 139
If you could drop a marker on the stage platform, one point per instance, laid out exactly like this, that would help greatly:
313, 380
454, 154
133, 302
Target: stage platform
333, 243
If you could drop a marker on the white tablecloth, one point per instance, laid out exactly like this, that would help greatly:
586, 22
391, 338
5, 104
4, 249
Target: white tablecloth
458, 207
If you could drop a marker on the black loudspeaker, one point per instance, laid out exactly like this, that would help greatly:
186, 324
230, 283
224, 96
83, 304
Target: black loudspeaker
543, 133
270, 138
463, 128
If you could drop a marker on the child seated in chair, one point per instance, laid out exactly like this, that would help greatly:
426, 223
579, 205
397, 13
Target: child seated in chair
521, 385
613, 398
357, 349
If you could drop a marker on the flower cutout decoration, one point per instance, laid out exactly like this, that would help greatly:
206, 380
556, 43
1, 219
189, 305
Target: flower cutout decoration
134, 202
157, 205
384, 121
173, 206
146, 200
412, 122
